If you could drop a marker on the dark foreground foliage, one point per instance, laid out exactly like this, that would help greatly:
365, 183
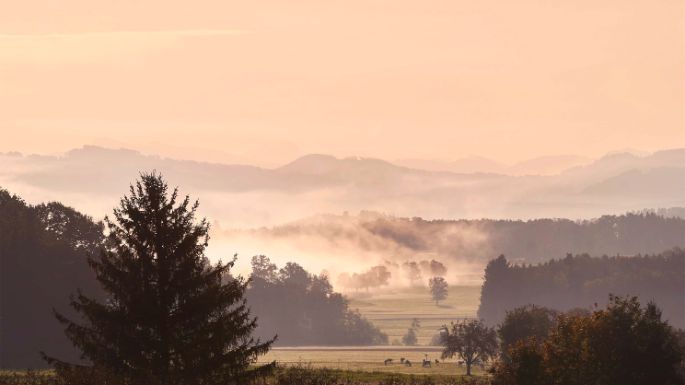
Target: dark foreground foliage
43, 252
303, 309
171, 317
281, 376
625, 343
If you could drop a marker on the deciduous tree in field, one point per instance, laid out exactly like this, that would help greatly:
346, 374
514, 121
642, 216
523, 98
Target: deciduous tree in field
471, 340
171, 317
438, 288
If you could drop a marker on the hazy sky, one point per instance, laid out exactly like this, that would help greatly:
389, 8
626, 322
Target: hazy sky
265, 81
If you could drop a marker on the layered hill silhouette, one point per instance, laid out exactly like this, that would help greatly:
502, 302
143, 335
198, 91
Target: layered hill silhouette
312, 184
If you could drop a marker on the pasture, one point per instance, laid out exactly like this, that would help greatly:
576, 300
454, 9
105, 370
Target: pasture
392, 311
368, 359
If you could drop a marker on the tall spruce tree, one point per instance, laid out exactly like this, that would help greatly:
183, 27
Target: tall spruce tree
171, 317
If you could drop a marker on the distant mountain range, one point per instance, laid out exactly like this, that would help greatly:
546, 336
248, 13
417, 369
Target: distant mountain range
93, 178
544, 165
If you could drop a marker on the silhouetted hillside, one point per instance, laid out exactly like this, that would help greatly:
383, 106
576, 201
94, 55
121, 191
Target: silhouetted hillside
581, 281
314, 184
399, 239
43, 252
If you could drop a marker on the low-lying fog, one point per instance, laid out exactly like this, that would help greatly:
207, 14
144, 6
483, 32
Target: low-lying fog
299, 212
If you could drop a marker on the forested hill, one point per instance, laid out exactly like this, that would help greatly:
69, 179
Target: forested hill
43, 251
582, 281
43, 261
529, 241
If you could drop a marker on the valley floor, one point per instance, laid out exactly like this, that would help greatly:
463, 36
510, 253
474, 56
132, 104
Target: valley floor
393, 311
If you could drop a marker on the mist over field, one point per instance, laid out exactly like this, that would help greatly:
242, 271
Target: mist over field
440, 192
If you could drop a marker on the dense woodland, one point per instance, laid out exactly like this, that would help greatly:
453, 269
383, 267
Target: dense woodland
43, 251
303, 309
43, 256
581, 281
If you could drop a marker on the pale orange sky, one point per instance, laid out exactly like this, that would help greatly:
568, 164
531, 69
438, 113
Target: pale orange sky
266, 81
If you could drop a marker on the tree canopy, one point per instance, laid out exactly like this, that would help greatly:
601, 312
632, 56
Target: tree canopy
43, 258
438, 288
303, 309
470, 340
580, 281
169, 316
625, 343
524, 323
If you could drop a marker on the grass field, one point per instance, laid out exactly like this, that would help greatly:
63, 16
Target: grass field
392, 311
367, 359
292, 375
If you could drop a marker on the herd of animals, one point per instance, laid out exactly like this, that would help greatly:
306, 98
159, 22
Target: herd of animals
426, 363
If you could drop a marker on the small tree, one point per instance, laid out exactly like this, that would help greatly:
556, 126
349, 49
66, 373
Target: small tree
438, 288
170, 316
410, 339
471, 340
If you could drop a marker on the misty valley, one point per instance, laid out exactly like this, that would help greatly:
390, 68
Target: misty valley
358, 192
447, 301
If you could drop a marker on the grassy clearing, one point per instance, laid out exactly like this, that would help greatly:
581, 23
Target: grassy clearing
293, 375
367, 359
393, 310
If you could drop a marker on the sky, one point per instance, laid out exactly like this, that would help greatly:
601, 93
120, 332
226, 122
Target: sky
263, 82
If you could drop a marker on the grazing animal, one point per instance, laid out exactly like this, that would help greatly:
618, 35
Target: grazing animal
437, 361
387, 361
426, 363
402, 360
460, 362
407, 363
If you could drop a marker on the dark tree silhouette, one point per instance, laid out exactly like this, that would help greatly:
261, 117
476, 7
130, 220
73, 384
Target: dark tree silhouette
303, 308
410, 338
525, 322
579, 281
43, 258
471, 340
438, 288
170, 316
625, 343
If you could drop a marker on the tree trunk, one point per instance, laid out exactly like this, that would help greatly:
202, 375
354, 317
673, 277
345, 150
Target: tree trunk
468, 368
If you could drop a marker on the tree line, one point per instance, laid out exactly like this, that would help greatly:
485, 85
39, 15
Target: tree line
476, 240
43, 260
50, 252
303, 309
625, 342
580, 281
